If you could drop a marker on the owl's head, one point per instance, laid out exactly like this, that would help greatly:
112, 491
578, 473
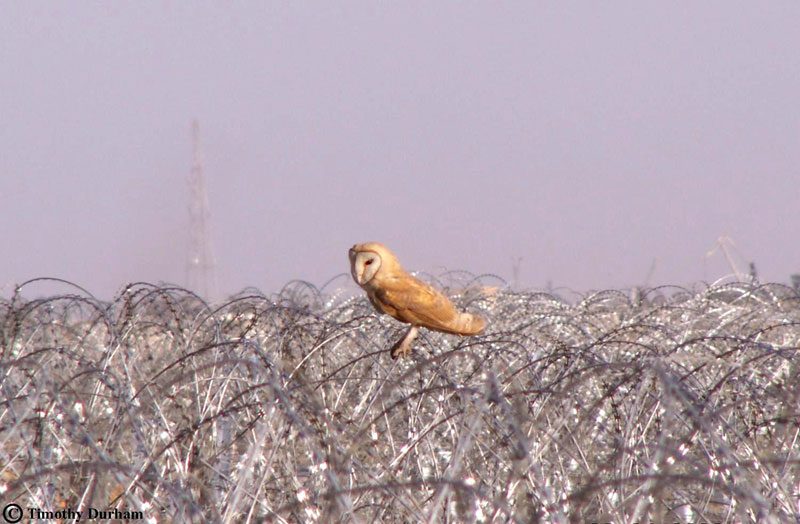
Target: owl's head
371, 261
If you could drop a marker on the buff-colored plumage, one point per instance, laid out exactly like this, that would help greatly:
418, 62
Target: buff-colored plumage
395, 292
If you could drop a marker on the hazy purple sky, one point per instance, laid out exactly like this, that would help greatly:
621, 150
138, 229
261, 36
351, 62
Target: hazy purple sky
586, 141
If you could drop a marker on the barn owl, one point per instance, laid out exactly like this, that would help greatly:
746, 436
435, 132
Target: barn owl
394, 292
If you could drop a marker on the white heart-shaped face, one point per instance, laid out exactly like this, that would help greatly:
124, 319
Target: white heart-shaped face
364, 265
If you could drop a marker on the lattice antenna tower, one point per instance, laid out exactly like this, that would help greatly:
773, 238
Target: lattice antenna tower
201, 266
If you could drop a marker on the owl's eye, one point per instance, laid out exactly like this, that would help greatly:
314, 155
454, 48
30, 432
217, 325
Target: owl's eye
368, 262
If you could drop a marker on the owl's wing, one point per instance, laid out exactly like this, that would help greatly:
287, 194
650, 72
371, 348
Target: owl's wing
415, 302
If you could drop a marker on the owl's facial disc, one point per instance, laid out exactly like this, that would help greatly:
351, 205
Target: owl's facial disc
364, 266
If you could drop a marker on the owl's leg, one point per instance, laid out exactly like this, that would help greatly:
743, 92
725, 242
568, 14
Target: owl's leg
402, 347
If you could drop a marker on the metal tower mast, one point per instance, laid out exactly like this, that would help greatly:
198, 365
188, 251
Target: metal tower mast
201, 267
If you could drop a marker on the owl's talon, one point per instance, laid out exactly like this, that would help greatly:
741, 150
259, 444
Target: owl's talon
398, 352
402, 348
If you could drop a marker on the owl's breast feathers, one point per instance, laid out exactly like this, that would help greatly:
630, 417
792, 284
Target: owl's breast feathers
415, 302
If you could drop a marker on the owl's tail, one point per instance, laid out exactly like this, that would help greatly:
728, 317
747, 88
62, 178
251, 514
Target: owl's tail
469, 324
